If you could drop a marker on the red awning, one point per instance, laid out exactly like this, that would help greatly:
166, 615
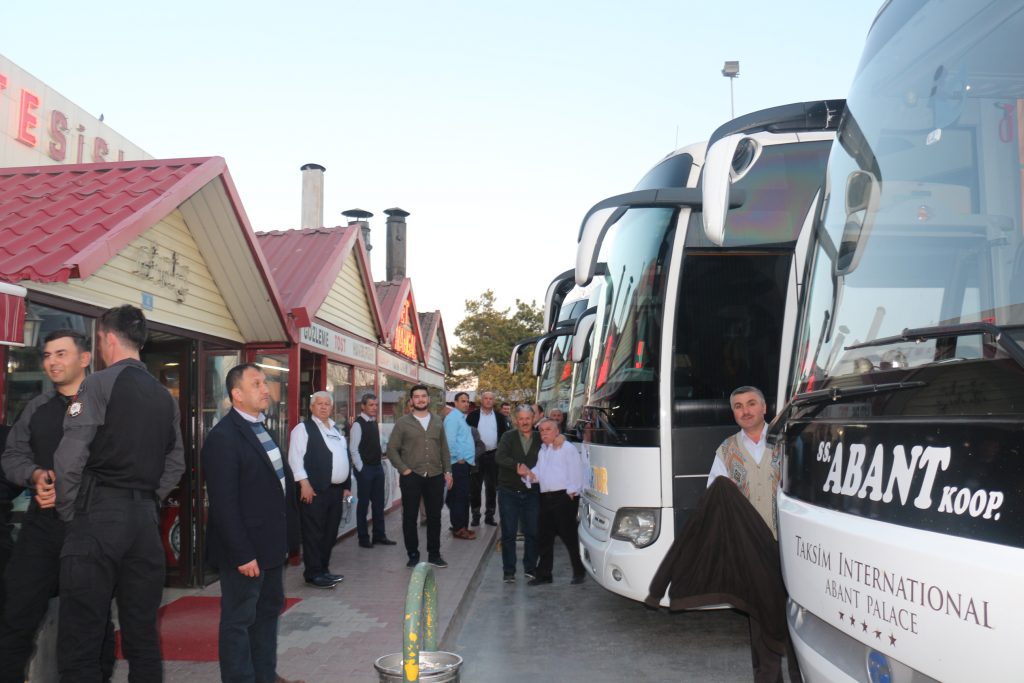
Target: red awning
12, 314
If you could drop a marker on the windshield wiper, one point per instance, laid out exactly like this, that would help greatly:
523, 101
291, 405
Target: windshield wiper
601, 421
833, 394
823, 397
1010, 345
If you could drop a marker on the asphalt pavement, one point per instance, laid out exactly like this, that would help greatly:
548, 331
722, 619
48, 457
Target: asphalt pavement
584, 633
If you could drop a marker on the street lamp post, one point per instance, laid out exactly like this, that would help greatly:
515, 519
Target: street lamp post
731, 70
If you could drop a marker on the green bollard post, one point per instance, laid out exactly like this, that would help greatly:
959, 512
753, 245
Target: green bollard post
420, 619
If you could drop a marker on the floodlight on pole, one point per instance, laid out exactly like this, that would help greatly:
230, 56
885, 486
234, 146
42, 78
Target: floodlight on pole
731, 70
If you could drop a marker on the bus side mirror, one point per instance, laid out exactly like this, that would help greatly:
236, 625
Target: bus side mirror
861, 200
581, 335
727, 161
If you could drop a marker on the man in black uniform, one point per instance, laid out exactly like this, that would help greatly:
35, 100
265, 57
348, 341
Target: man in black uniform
8, 492
120, 456
32, 577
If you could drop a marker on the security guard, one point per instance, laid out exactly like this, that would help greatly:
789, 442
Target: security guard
120, 456
32, 575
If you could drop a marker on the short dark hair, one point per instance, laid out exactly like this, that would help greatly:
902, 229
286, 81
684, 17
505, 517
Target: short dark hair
82, 343
127, 323
367, 398
505, 403
416, 387
461, 393
234, 376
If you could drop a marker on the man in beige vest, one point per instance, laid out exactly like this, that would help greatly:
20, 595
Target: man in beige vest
744, 459
741, 457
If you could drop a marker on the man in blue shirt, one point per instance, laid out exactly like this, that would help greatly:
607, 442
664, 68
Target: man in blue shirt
463, 453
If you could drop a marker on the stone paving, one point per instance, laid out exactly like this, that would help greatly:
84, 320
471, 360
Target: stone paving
336, 635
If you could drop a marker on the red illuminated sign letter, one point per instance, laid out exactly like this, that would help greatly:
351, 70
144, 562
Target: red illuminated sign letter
27, 120
100, 150
58, 143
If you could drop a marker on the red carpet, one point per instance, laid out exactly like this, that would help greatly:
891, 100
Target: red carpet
188, 628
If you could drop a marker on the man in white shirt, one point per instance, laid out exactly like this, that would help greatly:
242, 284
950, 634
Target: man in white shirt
318, 457
483, 477
559, 471
364, 447
742, 459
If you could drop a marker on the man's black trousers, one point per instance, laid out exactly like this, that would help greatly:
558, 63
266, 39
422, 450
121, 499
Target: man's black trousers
320, 519
31, 580
112, 549
484, 476
557, 518
431, 491
370, 481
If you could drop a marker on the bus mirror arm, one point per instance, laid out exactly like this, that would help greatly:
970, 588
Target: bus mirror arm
606, 213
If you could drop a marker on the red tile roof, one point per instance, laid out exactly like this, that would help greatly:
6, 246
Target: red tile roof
305, 265
61, 222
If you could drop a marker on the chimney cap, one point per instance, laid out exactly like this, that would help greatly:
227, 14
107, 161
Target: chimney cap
357, 214
312, 167
396, 212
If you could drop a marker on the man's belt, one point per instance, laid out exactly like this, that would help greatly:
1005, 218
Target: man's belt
109, 491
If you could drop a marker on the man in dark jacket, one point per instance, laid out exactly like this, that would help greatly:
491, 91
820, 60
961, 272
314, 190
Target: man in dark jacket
32, 576
252, 527
490, 424
520, 504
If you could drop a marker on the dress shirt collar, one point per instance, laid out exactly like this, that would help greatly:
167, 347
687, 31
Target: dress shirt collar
249, 418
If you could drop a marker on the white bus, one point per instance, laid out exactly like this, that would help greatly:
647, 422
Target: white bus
558, 369
693, 303
900, 516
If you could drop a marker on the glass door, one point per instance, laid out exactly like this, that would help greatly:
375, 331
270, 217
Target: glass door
169, 358
214, 404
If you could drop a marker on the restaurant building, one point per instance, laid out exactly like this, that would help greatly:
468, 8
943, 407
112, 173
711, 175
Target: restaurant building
171, 237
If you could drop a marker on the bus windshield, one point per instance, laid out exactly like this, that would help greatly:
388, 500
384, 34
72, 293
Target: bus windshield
555, 385
627, 334
921, 223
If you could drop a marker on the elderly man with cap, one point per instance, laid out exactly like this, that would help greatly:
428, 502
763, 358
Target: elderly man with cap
318, 457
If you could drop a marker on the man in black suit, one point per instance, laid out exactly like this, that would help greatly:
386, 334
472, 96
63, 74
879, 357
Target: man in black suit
253, 525
491, 424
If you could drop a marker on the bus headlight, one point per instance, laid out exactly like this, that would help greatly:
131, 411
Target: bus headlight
639, 526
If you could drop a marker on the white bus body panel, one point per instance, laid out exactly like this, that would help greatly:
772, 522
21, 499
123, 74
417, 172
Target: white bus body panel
622, 477
904, 604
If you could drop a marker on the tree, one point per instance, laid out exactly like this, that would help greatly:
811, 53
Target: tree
485, 340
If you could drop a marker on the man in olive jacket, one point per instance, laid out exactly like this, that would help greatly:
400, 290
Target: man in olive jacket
518, 504
418, 449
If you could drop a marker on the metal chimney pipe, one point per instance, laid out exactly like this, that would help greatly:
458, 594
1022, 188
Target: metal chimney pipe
396, 244
360, 218
312, 196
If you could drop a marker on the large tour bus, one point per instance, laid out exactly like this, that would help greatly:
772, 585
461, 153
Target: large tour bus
561, 353
697, 296
900, 516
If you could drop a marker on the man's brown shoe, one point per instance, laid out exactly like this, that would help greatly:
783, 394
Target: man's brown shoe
465, 534
285, 680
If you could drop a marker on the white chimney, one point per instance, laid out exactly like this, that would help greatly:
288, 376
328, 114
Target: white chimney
312, 196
